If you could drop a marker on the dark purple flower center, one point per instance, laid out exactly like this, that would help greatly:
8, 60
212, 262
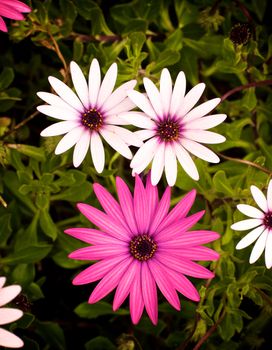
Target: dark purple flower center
168, 130
142, 247
268, 220
92, 119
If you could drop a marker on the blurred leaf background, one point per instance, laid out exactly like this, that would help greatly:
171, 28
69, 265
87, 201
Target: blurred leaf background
226, 44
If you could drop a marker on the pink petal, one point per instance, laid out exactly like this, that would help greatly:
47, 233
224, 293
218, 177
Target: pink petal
9, 293
186, 239
9, 340
92, 236
152, 196
98, 252
8, 315
184, 266
9, 12
109, 204
136, 303
2, 281
98, 270
140, 206
149, 292
162, 210
183, 285
18, 5
109, 281
160, 275
3, 26
180, 210
198, 253
124, 285
126, 203
103, 221
177, 228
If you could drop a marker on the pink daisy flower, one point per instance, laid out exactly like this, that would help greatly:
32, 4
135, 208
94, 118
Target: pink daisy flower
173, 127
140, 246
91, 114
12, 9
7, 315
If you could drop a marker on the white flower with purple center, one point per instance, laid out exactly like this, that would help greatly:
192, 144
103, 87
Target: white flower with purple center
261, 223
172, 127
91, 113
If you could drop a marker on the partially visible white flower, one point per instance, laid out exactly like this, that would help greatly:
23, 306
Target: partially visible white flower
8, 315
91, 113
261, 223
172, 127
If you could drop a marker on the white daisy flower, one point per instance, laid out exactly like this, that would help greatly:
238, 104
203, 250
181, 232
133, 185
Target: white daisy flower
8, 315
261, 223
172, 127
91, 113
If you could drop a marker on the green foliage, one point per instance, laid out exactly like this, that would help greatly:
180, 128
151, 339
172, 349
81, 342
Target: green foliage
39, 190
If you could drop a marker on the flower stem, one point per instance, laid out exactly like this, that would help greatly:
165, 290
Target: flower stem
246, 86
247, 162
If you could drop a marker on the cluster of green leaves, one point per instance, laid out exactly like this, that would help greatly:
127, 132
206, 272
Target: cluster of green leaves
39, 191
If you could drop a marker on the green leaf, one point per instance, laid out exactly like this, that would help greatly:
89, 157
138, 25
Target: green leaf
30, 151
165, 59
6, 78
31, 254
47, 224
52, 334
221, 183
75, 193
5, 225
92, 311
99, 343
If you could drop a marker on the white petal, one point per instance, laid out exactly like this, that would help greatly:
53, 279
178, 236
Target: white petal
116, 120
145, 162
2, 281
165, 90
124, 106
269, 196
178, 93
9, 340
259, 198
9, 293
60, 128
107, 85
8, 315
94, 82
250, 237
170, 163
258, 247
200, 151
116, 143
97, 152
246, 224
203, 136
69, 140
54, 100
119, 95
186, 162
268, 251
202, 110
59, 112
206, 122
191, 99
81, 148
145, 153
250, 211
145, 134
80, 84
154, 97
142, 102
66, 93
126, 135
158, 164
138, 119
